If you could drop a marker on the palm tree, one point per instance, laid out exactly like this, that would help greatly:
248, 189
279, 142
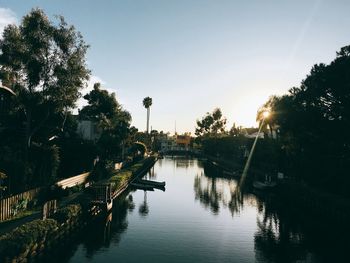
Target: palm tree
147, 103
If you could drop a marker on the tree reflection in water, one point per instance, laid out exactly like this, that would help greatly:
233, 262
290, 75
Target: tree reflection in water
144, 208
213, 189
276, 240
288, 234
97, 238
283, 234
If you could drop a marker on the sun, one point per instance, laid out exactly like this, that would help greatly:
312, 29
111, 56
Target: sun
266, 114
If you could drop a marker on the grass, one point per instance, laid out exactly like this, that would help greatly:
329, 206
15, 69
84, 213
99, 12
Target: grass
121, 177
18, 216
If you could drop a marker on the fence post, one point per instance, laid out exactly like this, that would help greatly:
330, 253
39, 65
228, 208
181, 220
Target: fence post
49, 208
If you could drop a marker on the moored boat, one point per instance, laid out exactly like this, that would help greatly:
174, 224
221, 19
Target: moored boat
151, 183
264, 185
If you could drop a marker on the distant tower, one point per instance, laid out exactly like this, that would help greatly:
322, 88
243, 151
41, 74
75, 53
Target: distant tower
175, 129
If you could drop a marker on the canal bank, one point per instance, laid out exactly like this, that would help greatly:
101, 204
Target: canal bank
199, 219
296, 195
33, 239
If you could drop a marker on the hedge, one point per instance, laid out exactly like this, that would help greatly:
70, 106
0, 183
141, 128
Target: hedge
21, 239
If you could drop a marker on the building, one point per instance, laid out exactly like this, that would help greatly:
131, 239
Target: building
88, 130
183, 141
175, 143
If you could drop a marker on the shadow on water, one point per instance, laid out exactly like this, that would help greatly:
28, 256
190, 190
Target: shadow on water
283, 235
293, 235
99, 234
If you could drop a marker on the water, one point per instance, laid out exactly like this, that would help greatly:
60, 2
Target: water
200, 218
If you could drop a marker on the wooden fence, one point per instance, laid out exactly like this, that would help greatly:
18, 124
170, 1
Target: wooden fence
7, 209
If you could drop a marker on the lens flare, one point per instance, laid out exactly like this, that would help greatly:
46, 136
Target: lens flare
266, 114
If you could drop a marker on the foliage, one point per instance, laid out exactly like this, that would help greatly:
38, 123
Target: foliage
20, 206
113, 122
313, 121
126, 174
138, 148
43, 62
67, 213
51, 193
147, 102
211, 124
228, 147
45, 160
22, 238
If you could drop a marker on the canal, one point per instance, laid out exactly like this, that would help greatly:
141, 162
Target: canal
201, 218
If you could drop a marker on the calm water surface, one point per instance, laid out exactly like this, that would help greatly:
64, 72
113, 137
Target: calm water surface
201, 218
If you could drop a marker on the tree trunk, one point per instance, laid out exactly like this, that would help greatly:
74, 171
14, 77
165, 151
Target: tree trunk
147, 120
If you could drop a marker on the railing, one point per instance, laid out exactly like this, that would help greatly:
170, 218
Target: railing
7, 205
73, 181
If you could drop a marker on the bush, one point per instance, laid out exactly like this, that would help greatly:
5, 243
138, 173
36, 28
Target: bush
21, 205
22, 238
68, 213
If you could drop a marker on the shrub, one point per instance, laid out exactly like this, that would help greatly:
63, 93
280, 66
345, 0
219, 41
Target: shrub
22, 238
68, 213
21, 205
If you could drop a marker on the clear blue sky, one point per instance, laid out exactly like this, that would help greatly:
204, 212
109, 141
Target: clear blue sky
192, 56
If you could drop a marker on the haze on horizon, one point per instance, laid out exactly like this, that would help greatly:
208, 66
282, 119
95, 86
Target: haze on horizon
193, 56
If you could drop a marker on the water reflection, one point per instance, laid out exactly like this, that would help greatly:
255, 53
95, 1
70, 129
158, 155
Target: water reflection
110, 229
183, 161
144, 208
276, 240
246, 226
293, 235
215, 190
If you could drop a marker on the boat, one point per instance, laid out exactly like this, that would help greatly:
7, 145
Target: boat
264, 185
151, 183
229, 173
142, 186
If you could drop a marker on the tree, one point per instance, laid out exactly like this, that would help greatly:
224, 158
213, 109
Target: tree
112, 120
44, 64
211, 124
235, 131
147, 103
313, 121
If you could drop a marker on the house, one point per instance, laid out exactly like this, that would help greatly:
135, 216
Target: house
175, 142
88, 130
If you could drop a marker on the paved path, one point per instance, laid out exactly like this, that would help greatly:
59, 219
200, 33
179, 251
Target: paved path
12, 224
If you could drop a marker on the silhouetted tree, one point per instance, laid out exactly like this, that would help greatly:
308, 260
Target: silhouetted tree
112, 120
313, 122
211, 124
44, 64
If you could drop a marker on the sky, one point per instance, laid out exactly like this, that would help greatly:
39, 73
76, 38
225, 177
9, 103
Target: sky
191, 56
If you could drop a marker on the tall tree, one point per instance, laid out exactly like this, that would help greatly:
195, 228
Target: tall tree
44, 64
112, 120
147, 103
